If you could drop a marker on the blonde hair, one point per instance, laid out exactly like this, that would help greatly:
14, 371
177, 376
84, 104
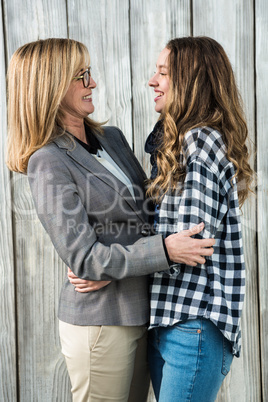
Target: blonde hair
38, 78
202, 92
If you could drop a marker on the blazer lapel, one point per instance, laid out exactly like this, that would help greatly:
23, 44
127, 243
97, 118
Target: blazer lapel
114, 151
85, 159
125, 162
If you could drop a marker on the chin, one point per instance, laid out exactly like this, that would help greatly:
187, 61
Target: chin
158, 109
91, 110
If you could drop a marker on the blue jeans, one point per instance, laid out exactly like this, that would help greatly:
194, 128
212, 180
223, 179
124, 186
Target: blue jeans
188, 361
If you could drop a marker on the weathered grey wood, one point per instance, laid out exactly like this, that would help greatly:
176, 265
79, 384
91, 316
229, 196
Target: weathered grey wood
8, 386
150, 31
231, 23
104, 27
153, 23
261, 13
42, 372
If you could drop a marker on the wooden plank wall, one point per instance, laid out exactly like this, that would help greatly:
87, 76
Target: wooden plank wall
8, 384
237, 37
124, 38
262, 166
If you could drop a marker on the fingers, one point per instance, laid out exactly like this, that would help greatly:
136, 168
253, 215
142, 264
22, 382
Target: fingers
200, 260
84, 286
77, 281
206, 251
196, 229
91, 286
84, 290
206, 242
71, 274
193, 261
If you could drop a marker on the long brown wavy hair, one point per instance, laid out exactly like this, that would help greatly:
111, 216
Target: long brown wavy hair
38, 78
202, 92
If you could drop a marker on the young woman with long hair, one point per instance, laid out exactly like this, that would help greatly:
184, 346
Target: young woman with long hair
200, 173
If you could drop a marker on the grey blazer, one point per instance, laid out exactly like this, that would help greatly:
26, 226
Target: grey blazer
97, 228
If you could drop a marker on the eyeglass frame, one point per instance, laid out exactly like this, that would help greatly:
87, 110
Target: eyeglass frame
81, 77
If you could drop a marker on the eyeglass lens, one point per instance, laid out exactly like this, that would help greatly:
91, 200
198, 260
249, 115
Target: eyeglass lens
86, 79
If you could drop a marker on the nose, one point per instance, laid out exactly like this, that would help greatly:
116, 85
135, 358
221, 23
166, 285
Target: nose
153, 81
92, 83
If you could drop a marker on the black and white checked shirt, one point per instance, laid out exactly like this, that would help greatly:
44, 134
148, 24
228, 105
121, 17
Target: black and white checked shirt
215, 290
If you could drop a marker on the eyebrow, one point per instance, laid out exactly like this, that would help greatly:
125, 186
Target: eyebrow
84, 69
162, 66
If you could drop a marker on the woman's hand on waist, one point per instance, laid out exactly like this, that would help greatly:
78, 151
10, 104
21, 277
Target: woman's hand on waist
183, 249
83, 285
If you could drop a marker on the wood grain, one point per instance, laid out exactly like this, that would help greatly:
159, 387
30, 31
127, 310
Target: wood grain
39, 272
8, 380
231, 24
261, 12
150, 31
104, 28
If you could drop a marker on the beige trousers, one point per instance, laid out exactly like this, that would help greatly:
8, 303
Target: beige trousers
106, 363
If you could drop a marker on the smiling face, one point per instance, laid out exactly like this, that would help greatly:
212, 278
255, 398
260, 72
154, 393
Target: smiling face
160, 81
77, 102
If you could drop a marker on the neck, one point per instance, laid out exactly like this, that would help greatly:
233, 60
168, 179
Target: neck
77, 128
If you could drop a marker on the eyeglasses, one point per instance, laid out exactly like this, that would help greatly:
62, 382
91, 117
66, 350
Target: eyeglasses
85, 77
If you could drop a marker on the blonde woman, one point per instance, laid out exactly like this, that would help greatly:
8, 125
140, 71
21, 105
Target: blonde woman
88, 190
200, 173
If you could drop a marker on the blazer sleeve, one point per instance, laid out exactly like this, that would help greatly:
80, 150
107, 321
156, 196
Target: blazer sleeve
57, 203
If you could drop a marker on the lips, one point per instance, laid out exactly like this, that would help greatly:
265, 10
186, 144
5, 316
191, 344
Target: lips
87, 97
159, 95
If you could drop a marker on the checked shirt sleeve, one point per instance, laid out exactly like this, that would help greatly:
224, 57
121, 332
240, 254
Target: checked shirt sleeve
199, 201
